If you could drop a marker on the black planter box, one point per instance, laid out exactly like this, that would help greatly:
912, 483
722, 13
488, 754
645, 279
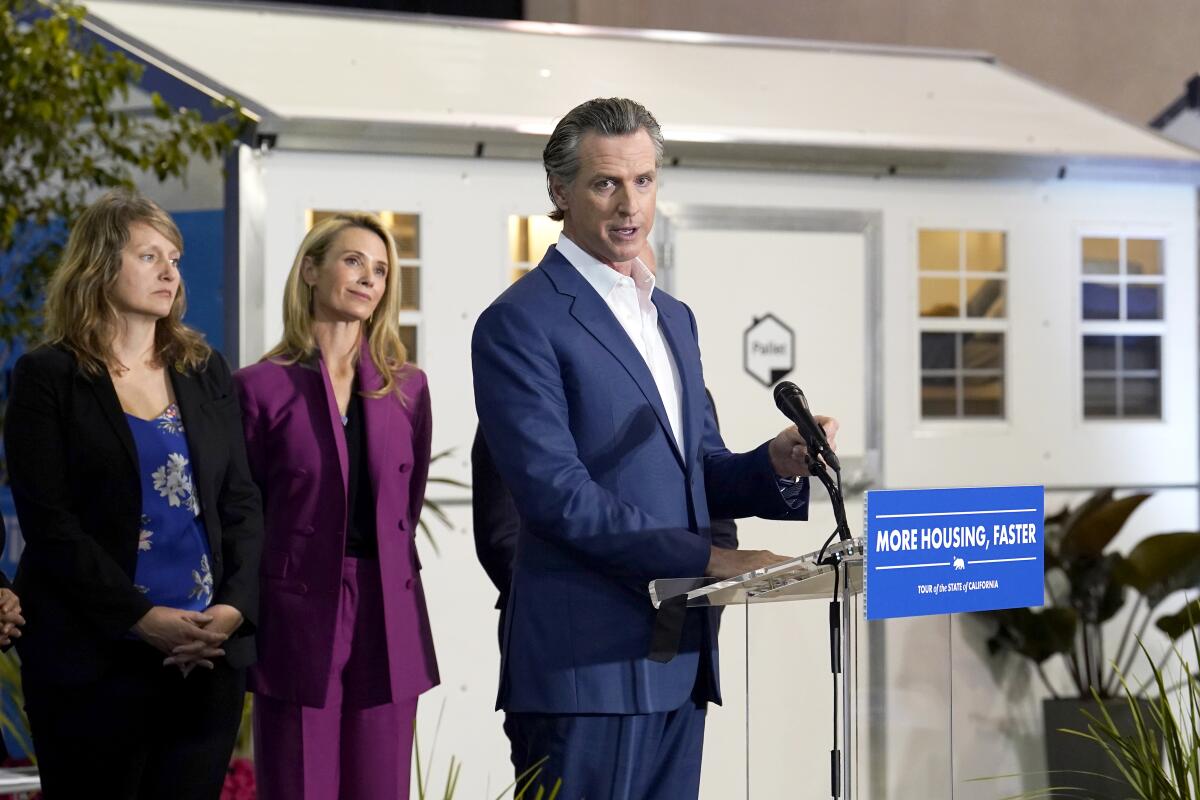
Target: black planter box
1067, 755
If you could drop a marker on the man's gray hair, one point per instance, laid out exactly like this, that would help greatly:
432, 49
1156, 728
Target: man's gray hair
611, 116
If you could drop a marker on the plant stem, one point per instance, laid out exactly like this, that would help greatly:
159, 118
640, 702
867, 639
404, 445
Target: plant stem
1140, 634
1085, 689
1046, 681
1073, 660
1112, 683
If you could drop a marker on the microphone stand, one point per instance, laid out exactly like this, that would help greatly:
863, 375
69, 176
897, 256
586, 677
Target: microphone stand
837, 630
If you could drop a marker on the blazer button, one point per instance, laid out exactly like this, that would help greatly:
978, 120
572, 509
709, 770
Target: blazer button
408, 584
405, 467
402, 524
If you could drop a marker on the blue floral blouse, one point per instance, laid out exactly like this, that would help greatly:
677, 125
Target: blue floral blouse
174, 561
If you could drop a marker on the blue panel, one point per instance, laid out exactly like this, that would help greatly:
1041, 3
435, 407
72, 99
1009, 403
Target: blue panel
1101, 301
203, 269
944, 551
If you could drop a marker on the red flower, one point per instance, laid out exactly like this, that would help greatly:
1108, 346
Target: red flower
239, 781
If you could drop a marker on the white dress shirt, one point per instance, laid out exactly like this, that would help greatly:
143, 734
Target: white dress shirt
629, 300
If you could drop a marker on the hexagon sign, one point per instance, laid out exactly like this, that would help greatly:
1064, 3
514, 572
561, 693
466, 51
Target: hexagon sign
769, 350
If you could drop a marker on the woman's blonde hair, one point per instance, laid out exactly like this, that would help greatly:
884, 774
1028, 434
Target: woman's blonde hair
79, 313
382, 329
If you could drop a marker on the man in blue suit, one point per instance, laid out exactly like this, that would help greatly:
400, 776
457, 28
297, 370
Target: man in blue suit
591, 397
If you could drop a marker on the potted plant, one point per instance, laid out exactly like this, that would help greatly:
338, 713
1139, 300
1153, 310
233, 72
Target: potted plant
1087, 585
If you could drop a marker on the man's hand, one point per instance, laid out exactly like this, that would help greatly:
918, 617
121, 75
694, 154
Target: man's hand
789, 454
10, 617
225, 620
168, 628
731, 563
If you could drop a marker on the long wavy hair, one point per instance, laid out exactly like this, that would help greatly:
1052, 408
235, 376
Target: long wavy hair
79, 313
382, 329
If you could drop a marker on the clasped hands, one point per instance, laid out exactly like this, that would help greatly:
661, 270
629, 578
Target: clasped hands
10, 617
189, 639
789, 459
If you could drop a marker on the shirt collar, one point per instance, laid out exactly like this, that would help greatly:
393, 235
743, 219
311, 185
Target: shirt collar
599, 275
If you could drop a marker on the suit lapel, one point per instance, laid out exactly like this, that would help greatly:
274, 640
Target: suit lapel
677, 331
335, 424
377, 417
590, 311
106, 396
190, 399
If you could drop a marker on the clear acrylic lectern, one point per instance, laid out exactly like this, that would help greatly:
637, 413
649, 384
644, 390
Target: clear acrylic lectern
834, 576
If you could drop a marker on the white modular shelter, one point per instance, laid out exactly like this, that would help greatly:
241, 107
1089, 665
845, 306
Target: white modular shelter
988, 282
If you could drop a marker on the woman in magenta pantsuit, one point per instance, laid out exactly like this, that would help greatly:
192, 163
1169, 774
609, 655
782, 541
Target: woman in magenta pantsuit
338, 431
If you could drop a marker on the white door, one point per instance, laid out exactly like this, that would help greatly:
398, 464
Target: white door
815, 283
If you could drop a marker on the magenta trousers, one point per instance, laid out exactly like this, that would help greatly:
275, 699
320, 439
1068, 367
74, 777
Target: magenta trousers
359, 746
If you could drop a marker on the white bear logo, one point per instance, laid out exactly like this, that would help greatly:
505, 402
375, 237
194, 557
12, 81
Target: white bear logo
959, 563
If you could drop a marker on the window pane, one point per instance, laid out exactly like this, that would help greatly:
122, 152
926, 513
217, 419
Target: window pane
1144, 301
938, 250
543, 232
938, 397
320, 215
985, 298
1142, 397
983, 396
937, 350
1101, 301
983, 351
404, 229
939, 297
985, 251
408, 336
1101, 256
1143, 256
410, 288
1099, 397
1140, 352
530, 237
1100, 353
518, 239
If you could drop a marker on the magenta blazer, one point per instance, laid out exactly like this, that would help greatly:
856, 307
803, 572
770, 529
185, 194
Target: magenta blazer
298, 459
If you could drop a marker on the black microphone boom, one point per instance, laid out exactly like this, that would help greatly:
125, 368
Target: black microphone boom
794, 405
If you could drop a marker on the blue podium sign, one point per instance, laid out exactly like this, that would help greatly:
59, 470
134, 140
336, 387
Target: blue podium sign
943, 551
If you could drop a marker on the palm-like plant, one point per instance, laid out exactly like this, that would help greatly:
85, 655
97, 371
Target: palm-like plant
433, 507
10, 688
1087, 585
1160, 758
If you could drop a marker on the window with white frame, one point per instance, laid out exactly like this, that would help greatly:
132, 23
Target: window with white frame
1122, 296
962, 289
405, 229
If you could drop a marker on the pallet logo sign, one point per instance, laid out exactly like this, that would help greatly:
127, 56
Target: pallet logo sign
945, 551
768, 350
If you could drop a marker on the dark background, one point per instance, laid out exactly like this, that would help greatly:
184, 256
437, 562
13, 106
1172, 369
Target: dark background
495, 9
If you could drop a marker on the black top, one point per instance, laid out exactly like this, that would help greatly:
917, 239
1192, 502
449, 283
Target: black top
72, 465
361, 538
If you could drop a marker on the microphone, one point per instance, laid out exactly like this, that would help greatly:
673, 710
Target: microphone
794, 405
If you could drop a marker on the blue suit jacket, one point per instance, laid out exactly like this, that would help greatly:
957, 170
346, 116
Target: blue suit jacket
579, 434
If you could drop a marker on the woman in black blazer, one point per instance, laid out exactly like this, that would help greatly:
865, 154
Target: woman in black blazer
142, 525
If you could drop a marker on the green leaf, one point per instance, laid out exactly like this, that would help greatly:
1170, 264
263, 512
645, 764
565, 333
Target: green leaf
1164, 563
1182, 621
1097, 522
1035, 634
